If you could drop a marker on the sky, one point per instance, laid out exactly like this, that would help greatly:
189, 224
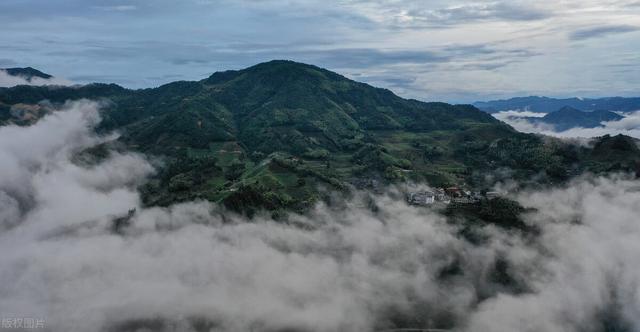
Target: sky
454, 51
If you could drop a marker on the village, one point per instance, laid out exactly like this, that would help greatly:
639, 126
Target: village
434, 196
451, 195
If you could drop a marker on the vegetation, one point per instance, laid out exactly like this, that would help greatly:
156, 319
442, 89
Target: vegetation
267, 137
498, 211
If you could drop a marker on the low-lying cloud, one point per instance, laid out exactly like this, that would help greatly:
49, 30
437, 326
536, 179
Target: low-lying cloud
629, 125
7, 80
194, 266
587, 280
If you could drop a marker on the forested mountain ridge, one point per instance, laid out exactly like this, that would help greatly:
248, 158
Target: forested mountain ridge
267, 137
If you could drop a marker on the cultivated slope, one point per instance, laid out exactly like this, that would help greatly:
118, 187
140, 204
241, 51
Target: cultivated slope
270, 135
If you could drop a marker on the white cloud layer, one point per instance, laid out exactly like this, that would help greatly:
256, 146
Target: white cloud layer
629, 125
7, 80
587, 280
192, 266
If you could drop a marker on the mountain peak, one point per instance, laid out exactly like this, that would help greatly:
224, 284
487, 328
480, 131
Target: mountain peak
277, 71
568, 109
620, 146
27, 73
568, 117
283, 63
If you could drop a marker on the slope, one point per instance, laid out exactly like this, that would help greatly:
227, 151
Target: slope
272, 136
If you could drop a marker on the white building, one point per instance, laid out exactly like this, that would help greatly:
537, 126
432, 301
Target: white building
421, 198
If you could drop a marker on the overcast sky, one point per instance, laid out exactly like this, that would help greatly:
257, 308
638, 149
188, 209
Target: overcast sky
457, 51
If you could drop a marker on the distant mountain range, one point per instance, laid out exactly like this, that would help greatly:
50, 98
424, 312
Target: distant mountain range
269, 136
547, 105
569, 117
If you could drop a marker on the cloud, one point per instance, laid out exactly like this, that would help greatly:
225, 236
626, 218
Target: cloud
586, 282
35, 161
118, 8
62, 262
7, 80
441, 14
194, 266
601, 31
629, 125
407, 37
189, 263
336, 57
467, 13
506, 115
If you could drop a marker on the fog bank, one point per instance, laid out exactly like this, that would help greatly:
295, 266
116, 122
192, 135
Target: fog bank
194, 266
7, 80
629, 126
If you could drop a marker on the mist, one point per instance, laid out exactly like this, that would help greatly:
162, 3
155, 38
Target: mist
197, 267
7, 81
630, 125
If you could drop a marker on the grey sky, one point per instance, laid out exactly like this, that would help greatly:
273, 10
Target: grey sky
457, 51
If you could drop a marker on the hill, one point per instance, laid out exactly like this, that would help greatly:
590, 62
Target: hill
272, 136
623, 149
547, 105
569, 117
27, 73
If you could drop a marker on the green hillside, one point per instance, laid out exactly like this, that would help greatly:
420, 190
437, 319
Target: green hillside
276, 135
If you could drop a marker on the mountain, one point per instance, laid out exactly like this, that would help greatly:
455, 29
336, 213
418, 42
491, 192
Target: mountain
547, 105
272, 136
27, 73
569, 117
